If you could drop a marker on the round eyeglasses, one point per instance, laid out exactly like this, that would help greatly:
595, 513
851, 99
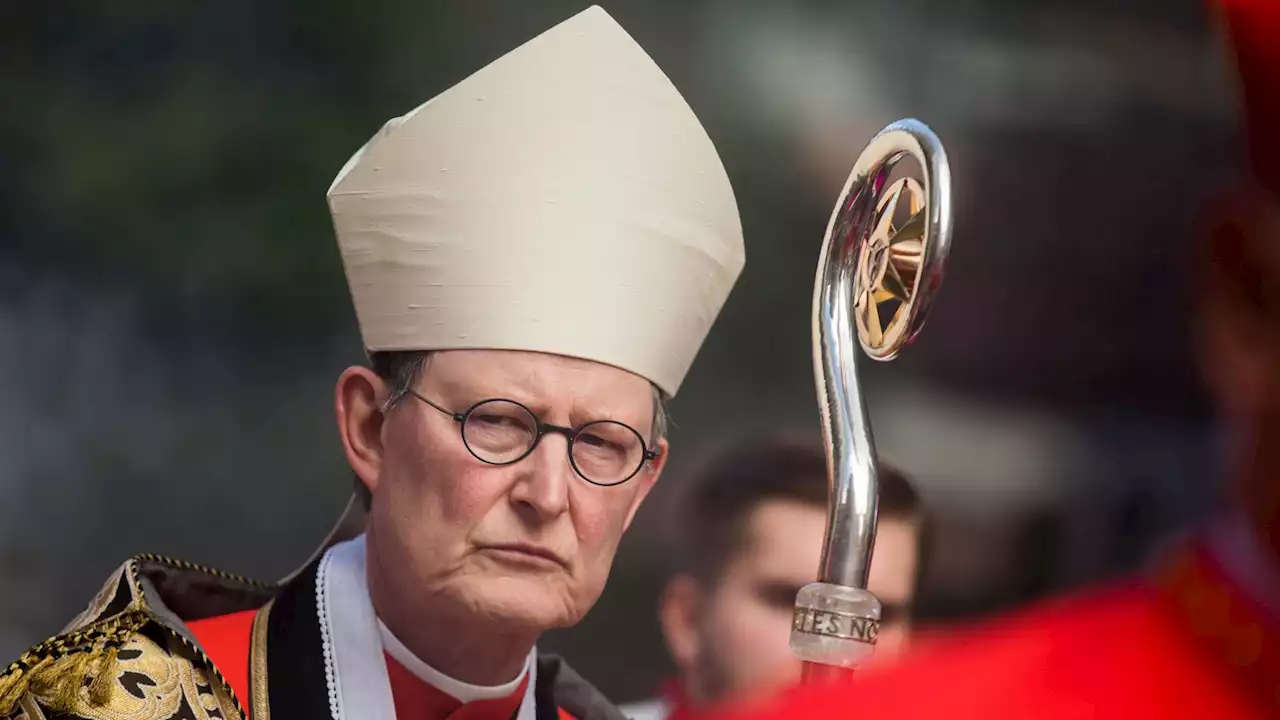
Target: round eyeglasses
503, 432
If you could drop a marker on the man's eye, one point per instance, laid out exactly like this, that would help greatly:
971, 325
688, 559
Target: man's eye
495, 420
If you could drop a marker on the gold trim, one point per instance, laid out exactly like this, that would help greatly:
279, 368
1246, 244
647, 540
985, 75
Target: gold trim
97, 639
59, 662
32, 709
184, 565
133, 568
835, 624
259, 700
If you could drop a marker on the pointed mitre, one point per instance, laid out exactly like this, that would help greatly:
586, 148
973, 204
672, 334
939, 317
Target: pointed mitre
564, 199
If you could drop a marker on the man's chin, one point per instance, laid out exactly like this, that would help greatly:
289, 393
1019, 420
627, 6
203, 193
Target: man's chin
526, 603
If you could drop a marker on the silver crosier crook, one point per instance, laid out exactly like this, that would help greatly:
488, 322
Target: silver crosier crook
878, 273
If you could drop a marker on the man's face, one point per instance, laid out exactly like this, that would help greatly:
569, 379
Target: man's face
529, 543
746, 626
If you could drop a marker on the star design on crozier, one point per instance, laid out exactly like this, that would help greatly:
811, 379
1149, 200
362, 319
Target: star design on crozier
889, 265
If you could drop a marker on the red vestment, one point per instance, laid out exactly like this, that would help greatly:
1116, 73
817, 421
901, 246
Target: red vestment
1188, 644
226, 639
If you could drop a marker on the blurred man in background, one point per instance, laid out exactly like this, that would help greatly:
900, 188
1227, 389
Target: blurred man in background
1199, 635
750, 534
535, 257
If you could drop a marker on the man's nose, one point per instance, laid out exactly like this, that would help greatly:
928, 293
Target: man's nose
543, 485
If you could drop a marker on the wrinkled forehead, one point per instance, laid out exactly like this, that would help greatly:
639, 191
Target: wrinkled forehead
541, 380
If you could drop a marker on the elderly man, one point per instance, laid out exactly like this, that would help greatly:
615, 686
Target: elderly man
535, 257
751, 535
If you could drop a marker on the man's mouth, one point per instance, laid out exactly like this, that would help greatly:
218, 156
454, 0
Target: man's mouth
526, 552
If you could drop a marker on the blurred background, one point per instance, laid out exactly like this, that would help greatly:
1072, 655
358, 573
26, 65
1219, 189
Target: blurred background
173, 312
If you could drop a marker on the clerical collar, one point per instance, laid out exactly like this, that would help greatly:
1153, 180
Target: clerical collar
465, 692
355, 665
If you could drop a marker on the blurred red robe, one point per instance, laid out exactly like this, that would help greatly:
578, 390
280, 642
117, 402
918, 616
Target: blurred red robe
1186, 642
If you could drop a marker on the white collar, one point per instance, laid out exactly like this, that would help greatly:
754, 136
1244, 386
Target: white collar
466, 692
353, 641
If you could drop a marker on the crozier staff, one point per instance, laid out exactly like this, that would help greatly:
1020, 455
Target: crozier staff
535, 257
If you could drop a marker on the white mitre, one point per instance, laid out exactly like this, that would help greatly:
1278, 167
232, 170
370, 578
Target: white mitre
564, 199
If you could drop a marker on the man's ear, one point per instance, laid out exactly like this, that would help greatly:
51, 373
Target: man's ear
680, 614
358, 402
646, 478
